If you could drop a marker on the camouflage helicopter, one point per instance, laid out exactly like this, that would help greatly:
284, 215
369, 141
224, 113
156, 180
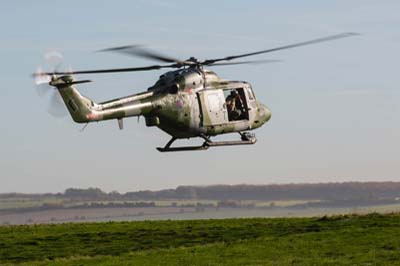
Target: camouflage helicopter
187, 102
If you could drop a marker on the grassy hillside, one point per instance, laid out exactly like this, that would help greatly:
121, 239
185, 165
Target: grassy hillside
340, 240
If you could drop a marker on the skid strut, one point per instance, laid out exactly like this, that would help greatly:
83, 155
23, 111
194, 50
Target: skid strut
246, 139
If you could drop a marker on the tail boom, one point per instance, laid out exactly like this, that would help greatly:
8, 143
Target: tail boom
84, 110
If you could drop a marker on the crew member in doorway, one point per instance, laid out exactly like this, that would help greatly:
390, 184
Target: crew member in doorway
235, 106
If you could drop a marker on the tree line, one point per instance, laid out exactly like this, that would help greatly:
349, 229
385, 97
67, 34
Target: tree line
318, 191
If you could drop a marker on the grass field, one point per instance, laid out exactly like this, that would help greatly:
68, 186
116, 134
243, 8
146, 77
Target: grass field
372, 239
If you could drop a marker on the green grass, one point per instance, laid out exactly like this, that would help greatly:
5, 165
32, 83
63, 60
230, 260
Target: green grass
338, 240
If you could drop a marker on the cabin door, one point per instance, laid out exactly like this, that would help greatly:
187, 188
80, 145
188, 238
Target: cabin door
213, 107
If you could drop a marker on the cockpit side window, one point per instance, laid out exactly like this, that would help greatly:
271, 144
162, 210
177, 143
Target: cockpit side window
250, 93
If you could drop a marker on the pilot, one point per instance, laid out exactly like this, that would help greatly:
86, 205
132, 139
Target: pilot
234, 104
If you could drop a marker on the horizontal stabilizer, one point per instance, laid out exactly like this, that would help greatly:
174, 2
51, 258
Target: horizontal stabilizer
80, 81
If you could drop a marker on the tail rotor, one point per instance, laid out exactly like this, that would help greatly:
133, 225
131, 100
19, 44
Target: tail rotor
43, 81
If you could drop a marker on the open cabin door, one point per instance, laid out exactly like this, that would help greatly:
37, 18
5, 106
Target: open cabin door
238, 103
213, 107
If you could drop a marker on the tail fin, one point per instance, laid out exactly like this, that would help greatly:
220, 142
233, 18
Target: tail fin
78, 106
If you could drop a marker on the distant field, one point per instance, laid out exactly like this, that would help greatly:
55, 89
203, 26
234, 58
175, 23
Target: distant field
175, 213
372, 239
15, 203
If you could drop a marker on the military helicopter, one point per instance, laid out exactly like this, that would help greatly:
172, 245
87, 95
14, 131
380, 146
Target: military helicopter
187, 102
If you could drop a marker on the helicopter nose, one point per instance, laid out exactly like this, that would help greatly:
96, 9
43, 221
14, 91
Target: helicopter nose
265, 113
262, 116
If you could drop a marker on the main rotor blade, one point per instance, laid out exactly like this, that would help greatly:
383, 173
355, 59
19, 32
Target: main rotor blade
324, 39
254, 62
112, 70
141, 52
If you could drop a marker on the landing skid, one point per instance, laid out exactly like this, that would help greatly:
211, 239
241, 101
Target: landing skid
246, 139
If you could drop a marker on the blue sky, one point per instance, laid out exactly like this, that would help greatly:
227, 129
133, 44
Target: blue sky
335, 106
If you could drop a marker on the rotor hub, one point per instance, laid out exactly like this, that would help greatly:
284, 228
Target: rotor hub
193, 60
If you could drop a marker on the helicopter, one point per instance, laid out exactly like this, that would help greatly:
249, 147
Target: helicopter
188, 102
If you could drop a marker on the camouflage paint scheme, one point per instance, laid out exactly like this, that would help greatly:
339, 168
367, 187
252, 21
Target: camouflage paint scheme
184, 103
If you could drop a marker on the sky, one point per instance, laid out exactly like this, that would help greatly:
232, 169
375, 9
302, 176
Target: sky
335, 106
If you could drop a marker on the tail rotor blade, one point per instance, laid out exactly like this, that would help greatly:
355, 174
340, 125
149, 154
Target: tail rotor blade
43, 89
56, 105
41, 77
54, 59
42, 80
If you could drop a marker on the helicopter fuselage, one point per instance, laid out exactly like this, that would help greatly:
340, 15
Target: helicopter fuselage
186, 103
